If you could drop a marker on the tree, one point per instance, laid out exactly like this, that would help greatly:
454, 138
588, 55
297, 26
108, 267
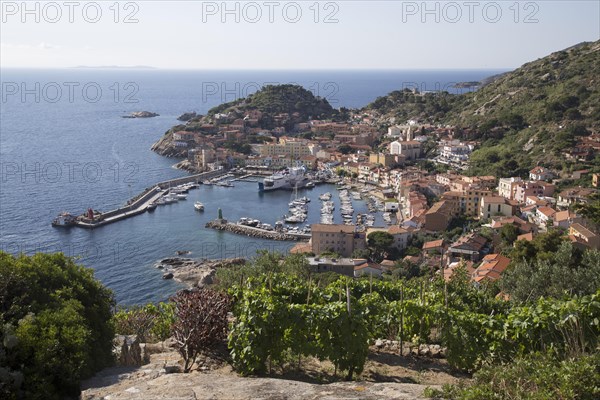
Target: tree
200, 322
509, 233
590, 210
62, 318
344, 149
565, 272
380, 243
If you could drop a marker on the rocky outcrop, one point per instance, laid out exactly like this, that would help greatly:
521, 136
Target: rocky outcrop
186, 165
161, 379
187, 116
141, 114
165, 147
127, 351
195, 273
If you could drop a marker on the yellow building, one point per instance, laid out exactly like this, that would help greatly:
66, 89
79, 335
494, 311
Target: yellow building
340, 239
286, 147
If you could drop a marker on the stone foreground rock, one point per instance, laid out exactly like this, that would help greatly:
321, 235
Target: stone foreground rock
157, 380
213, 385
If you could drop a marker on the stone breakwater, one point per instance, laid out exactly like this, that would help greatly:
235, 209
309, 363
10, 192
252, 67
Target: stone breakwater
254, 232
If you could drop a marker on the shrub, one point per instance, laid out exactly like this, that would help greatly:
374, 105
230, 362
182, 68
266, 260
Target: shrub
535, 377
59, 320
150, 322
200, 322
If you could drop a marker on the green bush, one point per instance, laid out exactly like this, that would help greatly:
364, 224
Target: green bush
150, 323
535, 377
58, 318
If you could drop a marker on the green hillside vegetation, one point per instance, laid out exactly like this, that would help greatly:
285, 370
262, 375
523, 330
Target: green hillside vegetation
276, 99
522, 118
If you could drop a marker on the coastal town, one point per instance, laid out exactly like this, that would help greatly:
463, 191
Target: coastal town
436, 215
300, 201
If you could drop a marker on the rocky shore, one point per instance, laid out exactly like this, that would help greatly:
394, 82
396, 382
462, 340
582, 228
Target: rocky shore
194, 273
252, 232
164, 147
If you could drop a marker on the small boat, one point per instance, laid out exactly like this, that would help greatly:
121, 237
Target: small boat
181, 196
199, 206
170, 199
151, 207
310, 185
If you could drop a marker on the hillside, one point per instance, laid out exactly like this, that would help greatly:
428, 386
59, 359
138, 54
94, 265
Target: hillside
276, 99
271, 107
522, 118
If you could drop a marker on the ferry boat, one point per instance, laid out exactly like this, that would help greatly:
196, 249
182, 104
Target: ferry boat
287, 179
64, 219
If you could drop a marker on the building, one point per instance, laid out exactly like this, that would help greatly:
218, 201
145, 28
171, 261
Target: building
540, 174
564, 219
368, 269
507, 187
531, 188
438, 217
490, 269
545, 214
468, 247
574, 195
343, 266
204, 156
467, 202
580, 234
411, 149
287, 147
385, 159
340, 239
494, 206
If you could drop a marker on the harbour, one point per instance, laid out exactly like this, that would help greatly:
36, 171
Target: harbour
139, 204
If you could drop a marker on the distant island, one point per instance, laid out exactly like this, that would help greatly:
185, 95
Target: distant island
114, 67
141, 114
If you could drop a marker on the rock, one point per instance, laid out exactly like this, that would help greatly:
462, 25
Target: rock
424, 350
128, 350
168, 275
379, 343
141, 114
172, 369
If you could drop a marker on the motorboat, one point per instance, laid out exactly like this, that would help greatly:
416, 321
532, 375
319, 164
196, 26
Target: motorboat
199, 206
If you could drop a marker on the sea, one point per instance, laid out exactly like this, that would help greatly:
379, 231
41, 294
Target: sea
64, 146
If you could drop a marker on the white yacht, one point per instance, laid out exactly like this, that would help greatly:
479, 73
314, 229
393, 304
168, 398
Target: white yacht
287, 179
199, 206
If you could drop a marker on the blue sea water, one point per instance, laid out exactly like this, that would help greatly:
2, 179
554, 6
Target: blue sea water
64, 146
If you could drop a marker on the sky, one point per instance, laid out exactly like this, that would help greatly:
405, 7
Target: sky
293, 35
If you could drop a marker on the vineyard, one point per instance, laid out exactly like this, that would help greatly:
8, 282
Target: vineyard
280, 318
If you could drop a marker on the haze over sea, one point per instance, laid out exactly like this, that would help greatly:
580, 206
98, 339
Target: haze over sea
65, 147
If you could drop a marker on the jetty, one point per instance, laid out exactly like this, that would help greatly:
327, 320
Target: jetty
224, 225
139, 204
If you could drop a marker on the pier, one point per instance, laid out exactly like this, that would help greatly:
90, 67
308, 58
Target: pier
139, 204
